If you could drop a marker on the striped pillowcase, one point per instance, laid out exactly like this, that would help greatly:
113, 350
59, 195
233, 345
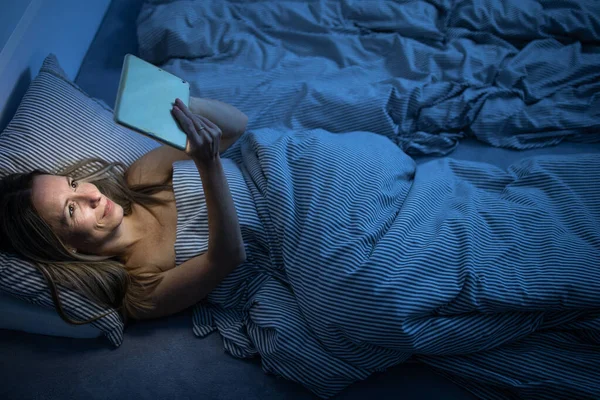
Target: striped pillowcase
55, 125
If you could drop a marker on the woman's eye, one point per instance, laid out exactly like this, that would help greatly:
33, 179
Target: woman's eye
71, 210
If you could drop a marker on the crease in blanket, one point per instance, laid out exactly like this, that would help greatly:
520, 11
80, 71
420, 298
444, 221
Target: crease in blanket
483, 269
357, 262
459, 68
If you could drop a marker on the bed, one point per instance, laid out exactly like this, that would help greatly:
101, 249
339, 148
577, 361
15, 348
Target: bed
163, 358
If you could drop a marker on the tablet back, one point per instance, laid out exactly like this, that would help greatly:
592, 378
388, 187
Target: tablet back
145, 99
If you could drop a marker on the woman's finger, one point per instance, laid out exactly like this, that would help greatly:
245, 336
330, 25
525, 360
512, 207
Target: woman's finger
190, 114
207, 134
207, 121
199, 121
180, 104
178, 115
199, 124
185, 123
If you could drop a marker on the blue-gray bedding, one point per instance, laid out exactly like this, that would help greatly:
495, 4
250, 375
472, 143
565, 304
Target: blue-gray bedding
358, 260
513, 73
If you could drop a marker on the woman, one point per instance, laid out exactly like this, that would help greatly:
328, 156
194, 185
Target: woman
352, 259
111, 237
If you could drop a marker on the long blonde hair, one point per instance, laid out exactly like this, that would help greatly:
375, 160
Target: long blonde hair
103, 280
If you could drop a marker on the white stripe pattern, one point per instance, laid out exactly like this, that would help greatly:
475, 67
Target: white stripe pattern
358, 260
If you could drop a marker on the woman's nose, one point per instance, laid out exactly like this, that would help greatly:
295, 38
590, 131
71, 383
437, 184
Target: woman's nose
93, 199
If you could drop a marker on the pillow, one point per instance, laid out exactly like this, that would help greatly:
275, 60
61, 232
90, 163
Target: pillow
20, 315
57, 124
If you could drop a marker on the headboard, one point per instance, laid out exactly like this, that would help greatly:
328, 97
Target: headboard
30, 30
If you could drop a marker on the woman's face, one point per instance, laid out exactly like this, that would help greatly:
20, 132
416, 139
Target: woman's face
78, 213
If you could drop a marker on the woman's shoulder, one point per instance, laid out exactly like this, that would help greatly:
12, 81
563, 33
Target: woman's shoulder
155, 167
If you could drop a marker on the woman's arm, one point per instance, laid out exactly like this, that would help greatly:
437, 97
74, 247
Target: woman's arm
156, 166
229, 119
193, 280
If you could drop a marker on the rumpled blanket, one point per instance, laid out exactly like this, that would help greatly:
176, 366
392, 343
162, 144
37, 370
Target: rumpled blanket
357, 261
519, 74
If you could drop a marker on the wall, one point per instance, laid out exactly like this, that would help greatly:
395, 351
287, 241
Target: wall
30, 30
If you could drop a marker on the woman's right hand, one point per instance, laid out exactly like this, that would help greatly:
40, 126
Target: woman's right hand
203, 135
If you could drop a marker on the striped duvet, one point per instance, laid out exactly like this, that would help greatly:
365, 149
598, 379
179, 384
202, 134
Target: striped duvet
358, 260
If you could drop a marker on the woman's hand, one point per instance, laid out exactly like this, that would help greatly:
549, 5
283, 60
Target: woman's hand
229, 119
203, 136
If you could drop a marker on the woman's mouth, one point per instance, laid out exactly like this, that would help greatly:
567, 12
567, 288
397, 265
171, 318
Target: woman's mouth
108, 208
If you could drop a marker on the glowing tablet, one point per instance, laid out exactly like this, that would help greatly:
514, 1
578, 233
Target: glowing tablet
145, 98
